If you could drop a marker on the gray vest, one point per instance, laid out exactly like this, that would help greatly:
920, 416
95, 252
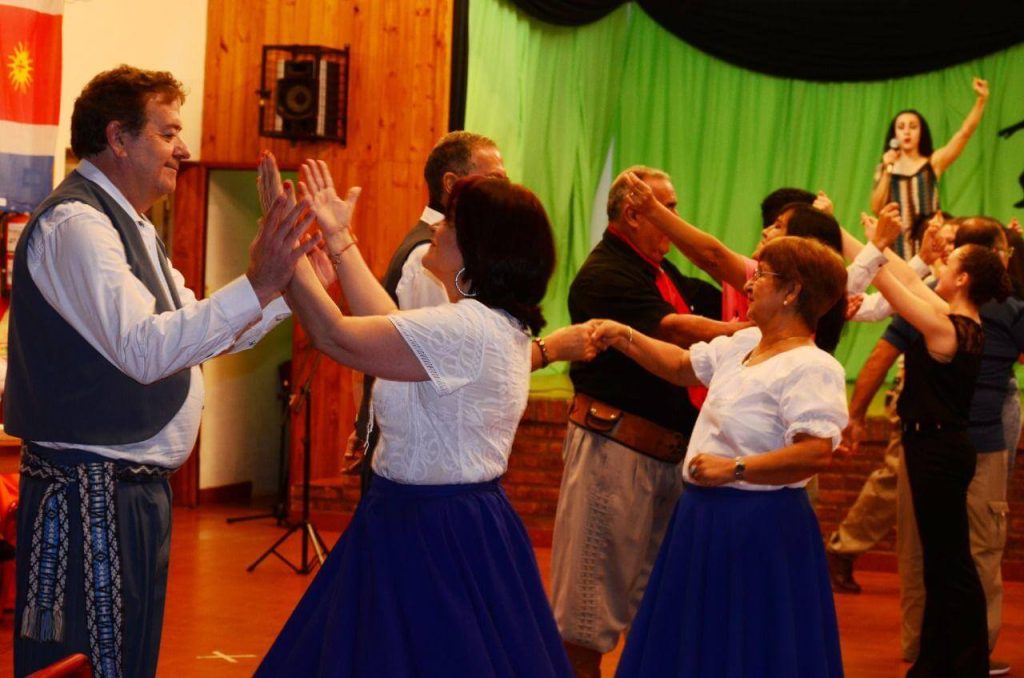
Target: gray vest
59, 388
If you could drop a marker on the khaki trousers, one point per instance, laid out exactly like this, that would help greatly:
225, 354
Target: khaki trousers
874, 513
613, 509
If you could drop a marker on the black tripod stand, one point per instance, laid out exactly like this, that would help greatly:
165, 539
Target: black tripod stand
279, 511
304, 526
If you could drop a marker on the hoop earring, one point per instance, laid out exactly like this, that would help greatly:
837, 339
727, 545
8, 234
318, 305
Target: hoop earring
459, 287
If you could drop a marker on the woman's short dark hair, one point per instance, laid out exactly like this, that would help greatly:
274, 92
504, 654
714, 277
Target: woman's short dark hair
507, 248
779, 200
806, 221
987, 273
822, 277
119, 94
924, 147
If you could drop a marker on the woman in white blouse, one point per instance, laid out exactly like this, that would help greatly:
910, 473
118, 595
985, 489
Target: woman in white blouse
435, 574
740, 587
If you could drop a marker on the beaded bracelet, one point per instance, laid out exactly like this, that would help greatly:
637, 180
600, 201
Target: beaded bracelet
335, 257
544, 359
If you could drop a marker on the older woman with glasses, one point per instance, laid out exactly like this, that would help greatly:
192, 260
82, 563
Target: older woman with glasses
741, 587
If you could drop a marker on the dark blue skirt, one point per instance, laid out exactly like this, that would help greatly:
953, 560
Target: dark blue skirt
437, 580
740, 588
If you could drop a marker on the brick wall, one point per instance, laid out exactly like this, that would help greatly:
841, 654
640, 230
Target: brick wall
535, 472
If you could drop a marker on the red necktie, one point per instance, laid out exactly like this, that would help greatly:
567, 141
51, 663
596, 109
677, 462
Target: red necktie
670, 294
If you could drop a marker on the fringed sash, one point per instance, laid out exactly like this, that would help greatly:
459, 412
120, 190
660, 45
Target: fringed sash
43, 619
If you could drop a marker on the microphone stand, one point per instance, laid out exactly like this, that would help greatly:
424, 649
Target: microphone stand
304, 526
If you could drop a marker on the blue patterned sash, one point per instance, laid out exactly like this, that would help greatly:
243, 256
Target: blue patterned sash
43, 618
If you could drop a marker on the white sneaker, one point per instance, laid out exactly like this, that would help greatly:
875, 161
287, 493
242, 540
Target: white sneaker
997, 668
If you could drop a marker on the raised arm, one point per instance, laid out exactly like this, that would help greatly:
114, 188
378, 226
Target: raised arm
883, 232
364, 293
660, 358
943, 157
929, 316
706, 251
371, 345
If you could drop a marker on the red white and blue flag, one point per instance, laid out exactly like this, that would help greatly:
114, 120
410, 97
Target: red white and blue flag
30, 65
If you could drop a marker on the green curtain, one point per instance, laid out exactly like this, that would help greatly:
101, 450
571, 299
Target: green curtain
546, 94
555, 99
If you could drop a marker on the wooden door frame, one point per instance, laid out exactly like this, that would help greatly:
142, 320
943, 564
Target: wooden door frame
188, 254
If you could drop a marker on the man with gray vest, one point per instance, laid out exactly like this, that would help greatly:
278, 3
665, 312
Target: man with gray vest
104, 385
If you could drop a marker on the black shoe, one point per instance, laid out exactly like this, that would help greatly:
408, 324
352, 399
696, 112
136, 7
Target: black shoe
840, 571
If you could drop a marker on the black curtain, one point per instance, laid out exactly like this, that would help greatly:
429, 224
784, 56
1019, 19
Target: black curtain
460, 66
823, 40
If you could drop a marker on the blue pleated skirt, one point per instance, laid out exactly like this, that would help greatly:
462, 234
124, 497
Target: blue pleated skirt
740, 589
437, 580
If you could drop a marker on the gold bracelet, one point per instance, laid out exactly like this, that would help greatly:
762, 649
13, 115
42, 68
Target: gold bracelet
335, 257
545, 360
629, 340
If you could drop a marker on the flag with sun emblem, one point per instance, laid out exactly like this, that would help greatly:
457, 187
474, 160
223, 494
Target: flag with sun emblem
30, 63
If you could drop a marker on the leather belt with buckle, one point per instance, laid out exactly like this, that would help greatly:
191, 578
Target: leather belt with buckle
638, 434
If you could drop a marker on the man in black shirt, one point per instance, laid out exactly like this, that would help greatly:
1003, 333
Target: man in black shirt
628, 429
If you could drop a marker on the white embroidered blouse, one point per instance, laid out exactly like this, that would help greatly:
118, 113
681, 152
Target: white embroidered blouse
458, 426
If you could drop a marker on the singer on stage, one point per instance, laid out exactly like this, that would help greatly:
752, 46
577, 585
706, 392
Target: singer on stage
910, 169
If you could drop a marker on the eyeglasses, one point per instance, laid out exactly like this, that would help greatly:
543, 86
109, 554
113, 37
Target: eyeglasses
760, 273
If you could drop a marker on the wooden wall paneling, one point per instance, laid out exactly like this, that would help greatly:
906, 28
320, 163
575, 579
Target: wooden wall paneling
234, 41
188, 253
398, 107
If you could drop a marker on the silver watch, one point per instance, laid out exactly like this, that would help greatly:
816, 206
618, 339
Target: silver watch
740, 470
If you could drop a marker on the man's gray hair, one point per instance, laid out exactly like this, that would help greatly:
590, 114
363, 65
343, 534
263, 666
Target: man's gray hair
617, 193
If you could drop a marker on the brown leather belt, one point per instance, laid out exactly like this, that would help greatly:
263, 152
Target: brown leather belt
638, 434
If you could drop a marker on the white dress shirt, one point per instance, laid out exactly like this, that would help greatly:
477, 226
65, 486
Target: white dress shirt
860, 274
77, 261
417, 287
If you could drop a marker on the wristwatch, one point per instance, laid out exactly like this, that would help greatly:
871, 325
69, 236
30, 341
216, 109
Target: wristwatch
740, 470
